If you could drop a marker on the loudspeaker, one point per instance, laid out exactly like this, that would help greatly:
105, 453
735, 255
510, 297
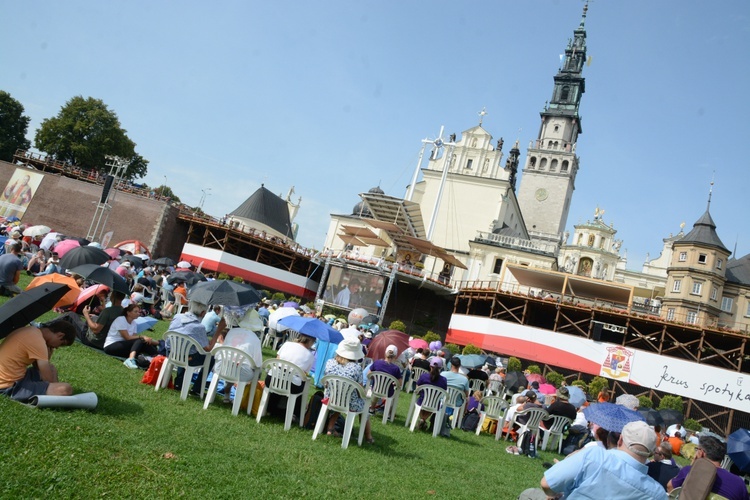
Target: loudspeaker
596, 334
107, 186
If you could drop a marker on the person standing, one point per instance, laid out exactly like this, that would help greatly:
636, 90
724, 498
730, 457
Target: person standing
10, 270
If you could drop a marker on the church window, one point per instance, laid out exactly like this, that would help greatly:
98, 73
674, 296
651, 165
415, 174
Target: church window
556, 145
553, 166
719, 263
714, 293
564, 167
591, 240
692, 317
469, 163
550, 144
580, 238
602, 242
498, 266
683, 256
557, 128
697, 288
702, 258
565, 93
543, 164
670, 314
677, 285
726, 304
532, 162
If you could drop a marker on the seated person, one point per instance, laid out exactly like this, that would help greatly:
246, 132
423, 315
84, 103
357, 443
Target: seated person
560, 406
36, 263
299, 353
676, 442
189, 324
661, 467
34, 346
123, 339
99, 326
390, 366
456, 380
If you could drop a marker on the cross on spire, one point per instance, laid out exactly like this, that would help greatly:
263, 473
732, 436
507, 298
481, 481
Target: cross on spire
482, 114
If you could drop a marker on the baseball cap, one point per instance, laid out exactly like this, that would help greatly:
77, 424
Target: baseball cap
392, 350
638, 435
438, 362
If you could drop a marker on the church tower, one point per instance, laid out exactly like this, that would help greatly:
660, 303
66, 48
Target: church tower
551, 165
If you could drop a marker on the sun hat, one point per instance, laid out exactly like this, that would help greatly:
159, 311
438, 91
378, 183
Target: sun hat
351, 349
438, 362
639, 434
563, 394
183, 264
368, 335
125, 264
391, 350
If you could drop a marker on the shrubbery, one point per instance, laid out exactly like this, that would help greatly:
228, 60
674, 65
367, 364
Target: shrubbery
471, 349
645, 402
597, 385
692, 425
554, 378
431, 336
669, 402
533, 369
514, 364
397, 325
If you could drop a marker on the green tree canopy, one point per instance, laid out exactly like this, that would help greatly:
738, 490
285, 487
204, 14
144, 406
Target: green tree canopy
84, 132
165, 190
13, 127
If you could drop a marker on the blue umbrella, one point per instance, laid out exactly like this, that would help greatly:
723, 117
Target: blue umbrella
576, 395
472, 360
12, 218
312, 327
323, 352
610, 416
738, 448
144, 323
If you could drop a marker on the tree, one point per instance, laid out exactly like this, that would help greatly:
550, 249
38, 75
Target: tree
13, 127
84, 132
514, 364
397, 325
670, 402
164, 190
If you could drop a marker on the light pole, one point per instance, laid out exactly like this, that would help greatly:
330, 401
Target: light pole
203, 197
164, 186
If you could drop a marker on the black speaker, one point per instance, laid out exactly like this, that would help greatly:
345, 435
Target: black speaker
107, 186
596, 334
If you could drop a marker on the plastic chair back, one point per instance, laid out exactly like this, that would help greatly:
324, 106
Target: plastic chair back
282, 375
556, 429
433, 399
535, 417
379, 384
476, 384
494, 387
180, 303
452, 401
416, 372
340, 392
179, 353
495, 408
231, 365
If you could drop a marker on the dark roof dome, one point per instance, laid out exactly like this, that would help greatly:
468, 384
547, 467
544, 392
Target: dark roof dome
376, 190
704, 233
361, 210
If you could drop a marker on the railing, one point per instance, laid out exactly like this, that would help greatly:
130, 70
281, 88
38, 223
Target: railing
514, 242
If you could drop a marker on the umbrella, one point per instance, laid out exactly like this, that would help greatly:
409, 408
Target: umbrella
419, 344
114, 253
576, 396
183, 264
252, 321
48, 241
87, 293
12, 218
738, 448
29, 305
281, 312
610, 416
64, 246
163, 261
330, 316
472, 360
671, 417
653, 418
103, 275
376, 349
547, 389
36, 231
628, 401
312, 327
536, 377
514, 380
188, 277
144, 323
83, 255
223, 292
81, 241
66, 300
291, 304
136, 261
133, 246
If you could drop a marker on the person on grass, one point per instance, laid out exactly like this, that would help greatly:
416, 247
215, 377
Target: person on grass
34, 346
10, 269
123, 339
99, 326
344, 364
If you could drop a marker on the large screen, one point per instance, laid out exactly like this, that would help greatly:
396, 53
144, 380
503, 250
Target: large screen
350, 289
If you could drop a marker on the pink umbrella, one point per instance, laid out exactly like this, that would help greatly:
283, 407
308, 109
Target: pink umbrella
64, 246
113, 252
536, 377
419, 344
89, 292
547, 389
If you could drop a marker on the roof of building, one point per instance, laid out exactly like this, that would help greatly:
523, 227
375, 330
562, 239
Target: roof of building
738, 270
267, 208
704, 233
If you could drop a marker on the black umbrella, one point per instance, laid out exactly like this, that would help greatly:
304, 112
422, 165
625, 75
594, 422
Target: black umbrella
514, 380
83, 241
103, 276
28, 306
224, 293
136, 261
671, 417
190, 278
163, 261
652, 416
83, 255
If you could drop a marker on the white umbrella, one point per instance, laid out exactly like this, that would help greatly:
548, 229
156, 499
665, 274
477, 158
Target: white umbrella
252, 320
48, 241
35, 231
281, 312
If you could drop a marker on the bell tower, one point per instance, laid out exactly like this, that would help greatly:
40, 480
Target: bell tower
551, 165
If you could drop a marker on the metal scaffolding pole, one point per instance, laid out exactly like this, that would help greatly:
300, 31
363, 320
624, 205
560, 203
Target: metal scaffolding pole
98, 225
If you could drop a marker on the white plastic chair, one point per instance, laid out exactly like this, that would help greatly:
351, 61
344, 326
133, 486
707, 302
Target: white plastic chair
433, 401
288, 336
282, 374
535, 416
454, 396
180, 304
179, 351
726, 463
378, 384
228, 366
340, 392
270, 337
494, 387
476, 384
416, 372
555, 431
495, 408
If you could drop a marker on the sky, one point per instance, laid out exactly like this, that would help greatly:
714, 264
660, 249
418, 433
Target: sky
335, 97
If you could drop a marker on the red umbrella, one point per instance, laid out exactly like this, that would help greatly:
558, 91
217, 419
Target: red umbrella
64, 246
536, 377
547, 389
376, 349
419, 344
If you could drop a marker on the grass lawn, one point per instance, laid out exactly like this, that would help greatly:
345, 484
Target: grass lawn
142, 443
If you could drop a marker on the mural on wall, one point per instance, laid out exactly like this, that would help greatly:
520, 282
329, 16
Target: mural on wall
18, 193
